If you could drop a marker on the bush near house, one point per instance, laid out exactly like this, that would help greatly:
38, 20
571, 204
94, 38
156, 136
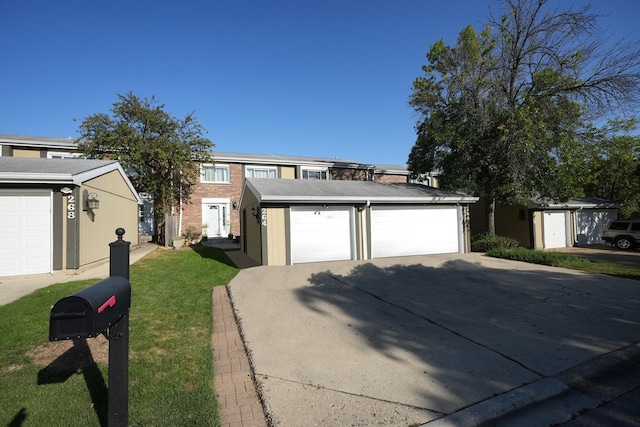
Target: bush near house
487, 242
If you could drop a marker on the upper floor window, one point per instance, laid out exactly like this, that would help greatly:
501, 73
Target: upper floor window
315, 173
61, 155
260, 172
215, 173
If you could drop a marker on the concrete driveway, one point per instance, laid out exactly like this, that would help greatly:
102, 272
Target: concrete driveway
403, 341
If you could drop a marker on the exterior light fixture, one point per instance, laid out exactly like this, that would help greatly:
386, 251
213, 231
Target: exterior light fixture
91, 202
254, 212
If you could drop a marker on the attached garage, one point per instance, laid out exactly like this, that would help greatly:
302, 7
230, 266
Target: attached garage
413, 230
321, 233
287, 221
546, 224
26, 229
46, 220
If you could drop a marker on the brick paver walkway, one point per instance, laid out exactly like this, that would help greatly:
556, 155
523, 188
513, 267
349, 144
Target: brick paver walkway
237, 397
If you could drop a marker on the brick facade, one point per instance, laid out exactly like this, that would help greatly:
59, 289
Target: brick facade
192, 213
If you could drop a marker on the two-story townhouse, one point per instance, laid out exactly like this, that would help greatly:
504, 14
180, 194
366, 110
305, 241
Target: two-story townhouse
215, 200
37, 147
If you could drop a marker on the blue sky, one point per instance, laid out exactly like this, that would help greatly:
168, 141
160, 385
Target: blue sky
324, 78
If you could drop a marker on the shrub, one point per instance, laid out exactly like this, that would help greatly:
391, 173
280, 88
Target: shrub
486, 242
191, 234
554, 259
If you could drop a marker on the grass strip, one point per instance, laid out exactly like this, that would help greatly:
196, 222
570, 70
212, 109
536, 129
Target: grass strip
170, 357
558, 259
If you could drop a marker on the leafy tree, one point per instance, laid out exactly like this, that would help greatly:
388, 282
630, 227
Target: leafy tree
505, 113
159, 152
614, 166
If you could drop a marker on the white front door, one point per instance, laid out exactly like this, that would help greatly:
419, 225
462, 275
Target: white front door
213, 220
404, 231
216, 216
26, 235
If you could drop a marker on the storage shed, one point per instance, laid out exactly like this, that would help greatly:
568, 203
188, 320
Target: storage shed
286, 221
62, 214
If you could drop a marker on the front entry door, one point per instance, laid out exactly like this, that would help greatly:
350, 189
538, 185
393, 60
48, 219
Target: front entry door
213, 220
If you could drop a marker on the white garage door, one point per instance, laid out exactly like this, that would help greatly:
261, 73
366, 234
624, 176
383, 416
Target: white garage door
402, 231
590, 224
555, 230
25, 235
321, 234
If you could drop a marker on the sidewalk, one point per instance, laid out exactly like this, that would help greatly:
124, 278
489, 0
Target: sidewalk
12, 288
238, 399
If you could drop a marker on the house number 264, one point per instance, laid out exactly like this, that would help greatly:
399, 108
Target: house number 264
71, 207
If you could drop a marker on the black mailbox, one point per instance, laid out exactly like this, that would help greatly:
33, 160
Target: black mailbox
91, 311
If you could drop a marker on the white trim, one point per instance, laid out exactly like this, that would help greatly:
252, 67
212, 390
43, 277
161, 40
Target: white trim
225, 228
259, 167
214, 165
315, 169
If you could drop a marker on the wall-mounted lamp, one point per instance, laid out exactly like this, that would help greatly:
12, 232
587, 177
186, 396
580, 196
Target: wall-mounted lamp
255, 211
91, 202
234, 204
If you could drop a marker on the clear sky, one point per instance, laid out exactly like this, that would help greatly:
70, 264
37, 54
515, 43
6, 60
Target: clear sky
325, 78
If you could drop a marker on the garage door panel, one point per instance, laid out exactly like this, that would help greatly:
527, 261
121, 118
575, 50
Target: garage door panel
321, 234
413, 231
555, 230
25, 247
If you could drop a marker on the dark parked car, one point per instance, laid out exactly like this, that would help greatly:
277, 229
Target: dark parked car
623, 234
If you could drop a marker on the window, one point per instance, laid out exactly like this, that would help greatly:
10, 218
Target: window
317, 173
215, 173
619, 225
61, 155
260, 172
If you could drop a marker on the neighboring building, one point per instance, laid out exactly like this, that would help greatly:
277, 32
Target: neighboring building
542, 225
215, 200
61, 214
37, 147
288, 222
216, 197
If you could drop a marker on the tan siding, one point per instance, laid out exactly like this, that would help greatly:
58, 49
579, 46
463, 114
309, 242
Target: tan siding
251, 239
118, 208
276, 237
514, 221
26, 153
288, 172
538, 239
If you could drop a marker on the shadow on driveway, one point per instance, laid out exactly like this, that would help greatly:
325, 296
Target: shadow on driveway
438, 333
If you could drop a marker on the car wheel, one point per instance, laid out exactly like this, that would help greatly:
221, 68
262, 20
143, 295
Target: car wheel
623, 243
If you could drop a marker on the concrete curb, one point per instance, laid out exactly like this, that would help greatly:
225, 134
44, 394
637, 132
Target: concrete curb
556, 399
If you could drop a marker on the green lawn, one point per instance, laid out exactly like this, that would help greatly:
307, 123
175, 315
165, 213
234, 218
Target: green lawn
170, 357
559, 259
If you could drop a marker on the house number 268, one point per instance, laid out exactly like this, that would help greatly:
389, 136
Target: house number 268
71, 207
